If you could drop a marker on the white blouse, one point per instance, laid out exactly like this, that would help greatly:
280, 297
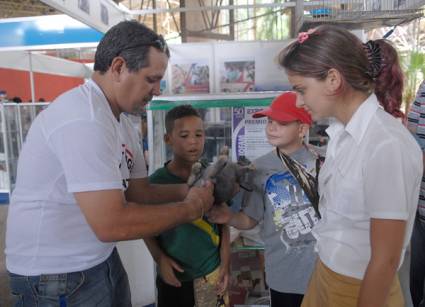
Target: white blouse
373, 169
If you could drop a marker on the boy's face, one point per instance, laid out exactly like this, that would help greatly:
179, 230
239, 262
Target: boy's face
187, 139
285, 134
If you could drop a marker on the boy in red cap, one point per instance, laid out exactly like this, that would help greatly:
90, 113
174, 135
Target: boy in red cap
281, 203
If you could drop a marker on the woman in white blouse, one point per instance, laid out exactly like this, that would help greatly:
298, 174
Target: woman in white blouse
369, 183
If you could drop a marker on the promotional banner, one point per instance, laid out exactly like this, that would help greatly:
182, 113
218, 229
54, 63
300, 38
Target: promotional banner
248, 134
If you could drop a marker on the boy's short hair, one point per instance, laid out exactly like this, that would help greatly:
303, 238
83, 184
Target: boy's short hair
178, 112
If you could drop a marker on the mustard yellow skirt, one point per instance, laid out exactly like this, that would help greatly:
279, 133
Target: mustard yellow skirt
330, 289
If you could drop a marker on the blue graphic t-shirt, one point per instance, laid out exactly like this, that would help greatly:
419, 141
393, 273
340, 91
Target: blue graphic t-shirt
287, 220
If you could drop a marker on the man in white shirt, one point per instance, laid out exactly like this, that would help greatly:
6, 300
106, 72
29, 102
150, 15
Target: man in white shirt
82, 181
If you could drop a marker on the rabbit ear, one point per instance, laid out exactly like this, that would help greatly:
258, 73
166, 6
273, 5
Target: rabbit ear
224, 151
213, 170
242, 160
195, 174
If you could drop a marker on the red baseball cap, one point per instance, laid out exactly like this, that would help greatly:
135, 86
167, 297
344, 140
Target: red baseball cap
284, 109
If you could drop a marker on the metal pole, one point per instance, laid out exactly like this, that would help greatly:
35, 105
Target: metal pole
211, 8
6, 147
31, 78
299, 16
231, 22
155, 26
183, 28
19, 126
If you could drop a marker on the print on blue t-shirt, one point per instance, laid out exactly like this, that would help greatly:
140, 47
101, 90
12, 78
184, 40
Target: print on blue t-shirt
293, 214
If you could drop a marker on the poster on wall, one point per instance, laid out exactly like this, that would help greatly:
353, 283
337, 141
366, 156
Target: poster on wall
248, 134
190, 78
237, 76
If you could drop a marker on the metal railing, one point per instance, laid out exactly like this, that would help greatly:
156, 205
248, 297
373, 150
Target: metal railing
335, 10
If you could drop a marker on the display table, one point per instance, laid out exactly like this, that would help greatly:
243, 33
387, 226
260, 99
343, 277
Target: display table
247, 285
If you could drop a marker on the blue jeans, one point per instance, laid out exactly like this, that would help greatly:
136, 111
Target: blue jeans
104, 285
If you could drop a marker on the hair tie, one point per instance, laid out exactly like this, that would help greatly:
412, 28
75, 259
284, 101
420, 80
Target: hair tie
373, 52
303, 36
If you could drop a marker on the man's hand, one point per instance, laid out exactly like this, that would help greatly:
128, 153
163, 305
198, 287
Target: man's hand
220, 214
201, 199
166, 269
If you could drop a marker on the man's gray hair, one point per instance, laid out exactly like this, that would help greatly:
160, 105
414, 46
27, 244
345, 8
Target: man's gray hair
130, 40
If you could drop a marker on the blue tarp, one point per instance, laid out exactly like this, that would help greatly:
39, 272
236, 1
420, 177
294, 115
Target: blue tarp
44, 31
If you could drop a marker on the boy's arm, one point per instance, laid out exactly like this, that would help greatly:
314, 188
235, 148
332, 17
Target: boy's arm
225, 247
166, 264
222, 214
154, 248
242, 221
223, 279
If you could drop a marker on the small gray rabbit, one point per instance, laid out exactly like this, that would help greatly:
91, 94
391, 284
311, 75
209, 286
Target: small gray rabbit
224, 173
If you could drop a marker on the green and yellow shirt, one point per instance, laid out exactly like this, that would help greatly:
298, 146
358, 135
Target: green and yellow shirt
195, 246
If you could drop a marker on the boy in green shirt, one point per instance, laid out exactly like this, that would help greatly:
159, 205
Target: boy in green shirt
193, 258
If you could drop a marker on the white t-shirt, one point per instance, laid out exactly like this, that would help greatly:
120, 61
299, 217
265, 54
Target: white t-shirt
373, 169
75, 145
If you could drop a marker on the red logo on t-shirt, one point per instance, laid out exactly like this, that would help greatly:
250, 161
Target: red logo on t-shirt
127, 157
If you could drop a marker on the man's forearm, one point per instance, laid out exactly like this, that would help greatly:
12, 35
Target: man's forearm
154, 248
225, 246
164, 193
137, 221
112, 218
141, 191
